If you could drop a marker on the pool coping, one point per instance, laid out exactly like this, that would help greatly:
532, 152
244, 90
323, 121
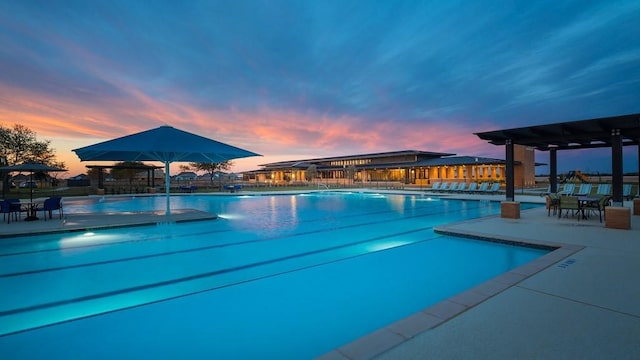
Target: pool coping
381, 340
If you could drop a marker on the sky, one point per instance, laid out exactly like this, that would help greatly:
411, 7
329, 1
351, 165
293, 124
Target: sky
306, 79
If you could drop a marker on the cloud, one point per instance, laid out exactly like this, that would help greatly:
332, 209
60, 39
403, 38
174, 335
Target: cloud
316, 78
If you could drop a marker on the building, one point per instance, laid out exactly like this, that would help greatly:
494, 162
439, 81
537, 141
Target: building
413, 167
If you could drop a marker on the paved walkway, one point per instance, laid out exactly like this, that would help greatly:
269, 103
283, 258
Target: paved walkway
579, 302
77, 222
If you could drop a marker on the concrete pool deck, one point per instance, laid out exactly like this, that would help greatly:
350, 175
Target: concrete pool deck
581, 301
92, 221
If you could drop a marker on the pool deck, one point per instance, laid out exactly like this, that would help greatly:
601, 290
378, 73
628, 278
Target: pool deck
91, 221
581, 301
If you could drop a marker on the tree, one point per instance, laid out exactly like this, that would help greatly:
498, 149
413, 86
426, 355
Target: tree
19, 145
126, 170
211, 168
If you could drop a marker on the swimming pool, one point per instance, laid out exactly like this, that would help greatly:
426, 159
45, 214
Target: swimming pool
284, 276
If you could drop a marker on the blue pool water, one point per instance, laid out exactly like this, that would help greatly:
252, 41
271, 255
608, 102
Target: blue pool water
285, 276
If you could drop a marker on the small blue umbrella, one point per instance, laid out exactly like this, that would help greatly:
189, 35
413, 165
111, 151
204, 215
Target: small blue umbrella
166, 144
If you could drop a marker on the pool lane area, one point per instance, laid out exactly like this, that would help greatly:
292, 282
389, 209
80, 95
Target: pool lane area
269, 271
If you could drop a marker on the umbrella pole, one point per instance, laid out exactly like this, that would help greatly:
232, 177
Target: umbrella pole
167, 180
31, 215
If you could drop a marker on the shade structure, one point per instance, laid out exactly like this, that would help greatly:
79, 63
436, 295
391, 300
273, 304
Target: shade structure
31, 168
165, 144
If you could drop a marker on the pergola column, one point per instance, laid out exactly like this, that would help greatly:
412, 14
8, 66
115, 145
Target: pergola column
616, 166
553, 170
509, 172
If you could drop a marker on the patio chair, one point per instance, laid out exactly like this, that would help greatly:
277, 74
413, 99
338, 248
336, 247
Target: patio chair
435, 186
553, 201
570, 204
453, 187
598, 206
6, 208
50, 204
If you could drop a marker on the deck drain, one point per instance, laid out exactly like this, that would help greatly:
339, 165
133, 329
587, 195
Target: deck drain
565, 264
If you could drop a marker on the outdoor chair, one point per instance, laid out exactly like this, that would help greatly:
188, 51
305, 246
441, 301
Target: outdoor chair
585, 189
453, 187
598, 206
495, 187
6, 208
626, 192
553, 201
16, 206
571, 204
444, 186
435, 186
462, 187
50, 204
472, 187
567, 189
604, 189
483, 187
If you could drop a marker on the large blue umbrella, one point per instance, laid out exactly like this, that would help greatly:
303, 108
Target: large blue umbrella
166, 144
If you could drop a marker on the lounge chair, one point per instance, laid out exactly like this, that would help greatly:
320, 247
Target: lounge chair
483, 187
570, 204
495, 187
444, 186
435, 186
585, 189
453, 187
567, 189
604, 189
626, 191
462, 187
472, 187
50, 204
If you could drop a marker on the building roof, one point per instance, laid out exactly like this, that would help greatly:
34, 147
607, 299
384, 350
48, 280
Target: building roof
582, 134
307, 162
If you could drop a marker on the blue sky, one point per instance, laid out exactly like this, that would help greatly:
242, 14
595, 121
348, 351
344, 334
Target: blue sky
299, 79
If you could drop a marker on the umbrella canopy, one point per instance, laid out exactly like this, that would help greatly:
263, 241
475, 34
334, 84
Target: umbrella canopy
31, 167
166, 144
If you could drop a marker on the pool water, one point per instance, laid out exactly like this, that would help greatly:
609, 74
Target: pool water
285, 276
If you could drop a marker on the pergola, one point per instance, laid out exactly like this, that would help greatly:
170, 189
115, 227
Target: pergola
149, 168
614, 132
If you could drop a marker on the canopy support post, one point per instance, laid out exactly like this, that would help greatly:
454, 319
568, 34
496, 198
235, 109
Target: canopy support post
167, 183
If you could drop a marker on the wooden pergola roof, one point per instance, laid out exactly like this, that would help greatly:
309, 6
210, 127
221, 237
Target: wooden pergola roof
613, 132
582, 134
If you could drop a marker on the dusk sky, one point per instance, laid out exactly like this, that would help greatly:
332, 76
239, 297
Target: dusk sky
305, 79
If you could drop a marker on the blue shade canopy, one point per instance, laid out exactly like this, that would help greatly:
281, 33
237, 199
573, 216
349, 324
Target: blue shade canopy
166, 144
